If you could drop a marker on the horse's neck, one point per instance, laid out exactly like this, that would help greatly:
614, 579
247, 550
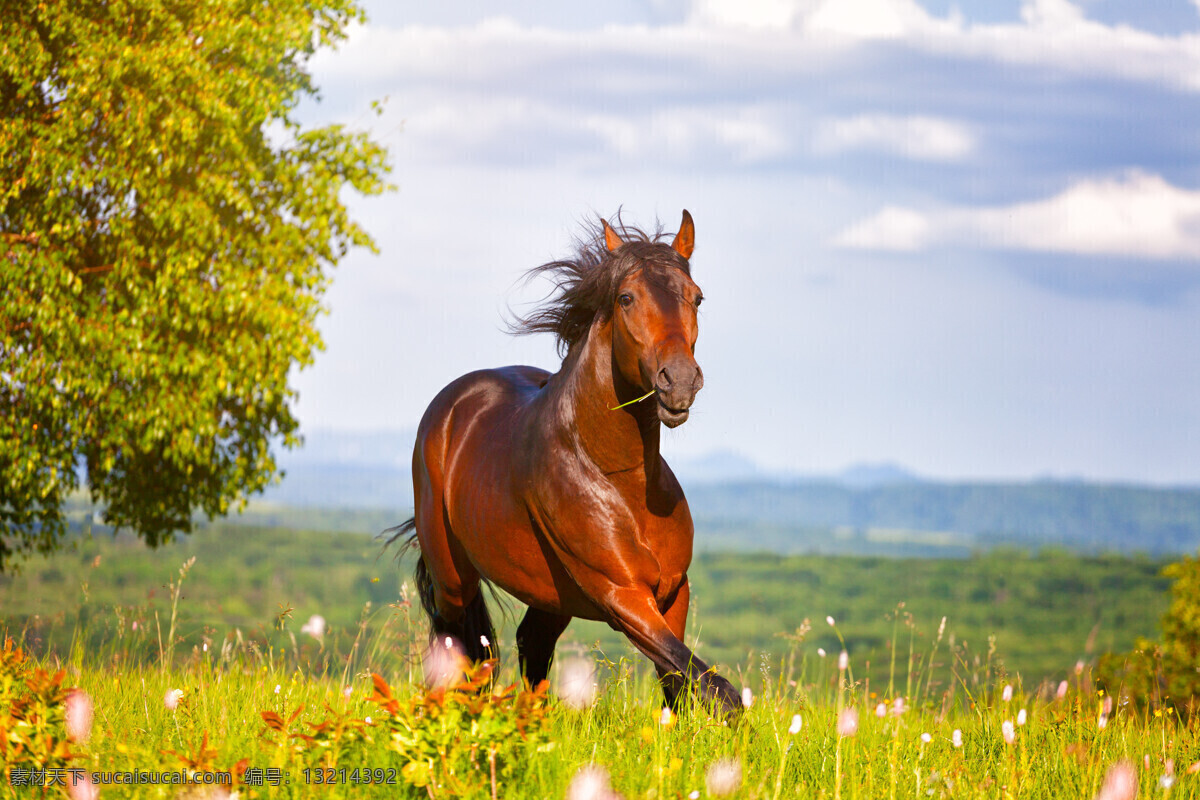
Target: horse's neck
623, 440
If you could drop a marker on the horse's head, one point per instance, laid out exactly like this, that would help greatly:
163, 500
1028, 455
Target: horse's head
654, 325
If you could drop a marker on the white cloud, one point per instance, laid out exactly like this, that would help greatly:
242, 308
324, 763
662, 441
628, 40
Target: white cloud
897, 229
744, 134
1057, 34
750, 14
508, 128
1135, 215
1052, 13
756, 40
870, 19
920, 138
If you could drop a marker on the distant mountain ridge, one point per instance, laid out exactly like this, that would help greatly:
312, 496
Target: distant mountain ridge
392, 450
877, 508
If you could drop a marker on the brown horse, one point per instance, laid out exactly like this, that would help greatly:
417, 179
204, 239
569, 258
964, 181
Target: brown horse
552, 486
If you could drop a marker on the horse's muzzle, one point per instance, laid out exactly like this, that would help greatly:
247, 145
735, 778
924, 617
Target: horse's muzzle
677, 383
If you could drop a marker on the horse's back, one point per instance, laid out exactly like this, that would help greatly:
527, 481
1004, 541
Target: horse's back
481, 391
471, 425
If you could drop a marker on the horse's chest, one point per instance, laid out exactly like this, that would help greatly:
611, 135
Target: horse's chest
665, 530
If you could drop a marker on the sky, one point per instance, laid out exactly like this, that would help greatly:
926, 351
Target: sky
963, 237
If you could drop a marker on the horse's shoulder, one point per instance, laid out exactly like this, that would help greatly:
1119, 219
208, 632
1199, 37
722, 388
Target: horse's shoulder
493, 383
520, 376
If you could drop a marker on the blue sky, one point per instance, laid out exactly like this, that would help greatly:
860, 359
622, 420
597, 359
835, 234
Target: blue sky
960, 236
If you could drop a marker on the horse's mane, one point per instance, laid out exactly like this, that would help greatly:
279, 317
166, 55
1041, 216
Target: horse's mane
587, 284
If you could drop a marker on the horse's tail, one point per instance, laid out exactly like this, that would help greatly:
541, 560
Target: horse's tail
405, 534
475, 631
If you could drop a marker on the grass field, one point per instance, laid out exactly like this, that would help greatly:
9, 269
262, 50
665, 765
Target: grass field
1038, 614
284, 724
205, 669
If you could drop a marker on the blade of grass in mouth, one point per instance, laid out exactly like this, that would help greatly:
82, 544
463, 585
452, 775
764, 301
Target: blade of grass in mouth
631, 402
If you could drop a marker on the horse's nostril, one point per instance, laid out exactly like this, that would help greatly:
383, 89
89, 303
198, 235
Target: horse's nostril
664, 379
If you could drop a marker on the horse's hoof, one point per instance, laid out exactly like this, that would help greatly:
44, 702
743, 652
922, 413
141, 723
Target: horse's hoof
721, 694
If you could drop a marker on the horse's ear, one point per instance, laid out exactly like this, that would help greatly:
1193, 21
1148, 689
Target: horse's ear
611, 240
685, 240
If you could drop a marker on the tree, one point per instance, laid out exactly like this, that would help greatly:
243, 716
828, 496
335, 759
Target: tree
1166, 672
166, 226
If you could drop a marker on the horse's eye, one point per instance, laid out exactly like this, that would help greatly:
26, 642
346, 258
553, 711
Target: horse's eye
699, 300
625, 300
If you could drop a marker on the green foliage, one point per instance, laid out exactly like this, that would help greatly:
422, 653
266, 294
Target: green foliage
464, 737
1045, 612
1181, 625
32, 714
166, 224
1165, 673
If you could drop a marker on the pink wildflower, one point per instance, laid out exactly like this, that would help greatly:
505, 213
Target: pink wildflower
847, 724
444, 664
79, 716
80, 786
1120, 782
1010, 733
591, 782
171, 698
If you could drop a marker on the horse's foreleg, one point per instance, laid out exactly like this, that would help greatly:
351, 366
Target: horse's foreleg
635, 613
536, 636
675, 615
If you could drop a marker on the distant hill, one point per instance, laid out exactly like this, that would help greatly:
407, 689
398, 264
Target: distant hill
1077, 516
866, 476
879, 509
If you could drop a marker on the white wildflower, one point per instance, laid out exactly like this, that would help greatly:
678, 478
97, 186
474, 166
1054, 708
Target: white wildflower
577, 683
723, 777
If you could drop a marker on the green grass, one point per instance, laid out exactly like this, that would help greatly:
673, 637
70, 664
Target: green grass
325, 691
103, 615
1039, 614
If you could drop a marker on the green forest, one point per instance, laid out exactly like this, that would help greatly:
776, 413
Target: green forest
1035, 614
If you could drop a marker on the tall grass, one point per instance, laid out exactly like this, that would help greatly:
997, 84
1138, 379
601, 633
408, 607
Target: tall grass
270, 704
